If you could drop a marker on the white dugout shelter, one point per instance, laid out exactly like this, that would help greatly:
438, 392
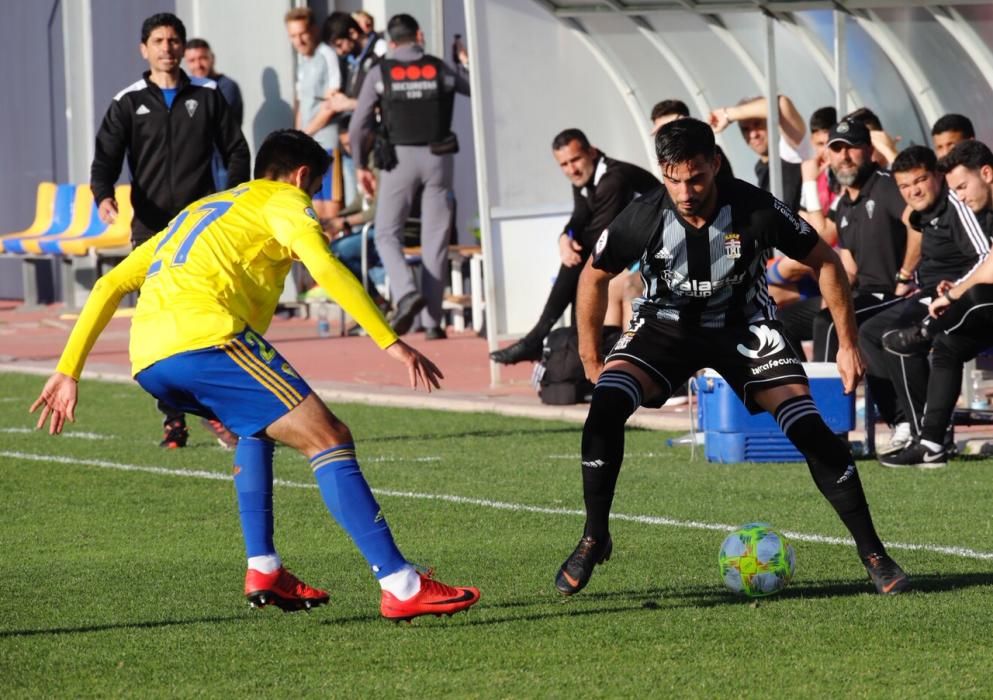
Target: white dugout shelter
540, 66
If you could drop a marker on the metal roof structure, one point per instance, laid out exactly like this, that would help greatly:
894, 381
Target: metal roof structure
544, 65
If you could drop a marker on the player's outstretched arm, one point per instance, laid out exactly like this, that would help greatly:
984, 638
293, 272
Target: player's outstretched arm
58, 401
420, 369
833, 281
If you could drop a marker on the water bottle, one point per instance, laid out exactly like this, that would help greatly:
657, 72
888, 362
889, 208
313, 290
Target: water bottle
323, 325
979, 402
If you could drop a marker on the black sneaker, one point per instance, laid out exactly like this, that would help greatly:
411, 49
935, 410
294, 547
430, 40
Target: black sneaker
885, 574
435, 334
916, 455
524, 350
175, 434
908, 342
406, 312
577, 569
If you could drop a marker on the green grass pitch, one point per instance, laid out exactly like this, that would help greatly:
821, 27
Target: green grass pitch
123, 568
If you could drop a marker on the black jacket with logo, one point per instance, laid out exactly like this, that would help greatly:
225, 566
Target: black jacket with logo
953, 241
168, 150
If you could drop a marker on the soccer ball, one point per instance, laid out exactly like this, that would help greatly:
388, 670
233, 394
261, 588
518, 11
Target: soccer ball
756, 560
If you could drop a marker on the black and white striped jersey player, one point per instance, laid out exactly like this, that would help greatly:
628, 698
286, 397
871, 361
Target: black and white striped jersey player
702, 242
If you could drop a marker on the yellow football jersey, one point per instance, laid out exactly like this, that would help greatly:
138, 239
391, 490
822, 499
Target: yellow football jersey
218, 267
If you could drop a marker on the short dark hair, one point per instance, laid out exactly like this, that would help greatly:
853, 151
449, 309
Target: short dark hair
667, 107
402, 29
914, 157
567, 136
338, 25
971, 153
162, 19
867, 117
286, 150
823, 119
198, 44
954, 122
683, 140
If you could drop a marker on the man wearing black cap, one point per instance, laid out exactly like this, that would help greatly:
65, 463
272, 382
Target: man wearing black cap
878, 249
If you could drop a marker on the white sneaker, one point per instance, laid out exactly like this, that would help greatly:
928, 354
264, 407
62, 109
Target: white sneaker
900, 439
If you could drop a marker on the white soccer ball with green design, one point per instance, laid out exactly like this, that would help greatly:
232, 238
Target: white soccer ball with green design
756, 561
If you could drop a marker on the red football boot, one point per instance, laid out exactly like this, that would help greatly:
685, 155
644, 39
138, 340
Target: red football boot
434, 598
282, 589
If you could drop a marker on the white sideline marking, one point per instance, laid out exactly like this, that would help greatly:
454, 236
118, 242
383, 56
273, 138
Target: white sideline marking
962, 552
80, 434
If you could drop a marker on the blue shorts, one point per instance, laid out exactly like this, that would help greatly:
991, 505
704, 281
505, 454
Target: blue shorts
244, 383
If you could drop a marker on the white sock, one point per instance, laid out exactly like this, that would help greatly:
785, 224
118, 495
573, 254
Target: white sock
933, 446
403, 584
266, 564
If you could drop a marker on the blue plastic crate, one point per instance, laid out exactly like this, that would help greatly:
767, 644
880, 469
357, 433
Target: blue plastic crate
721, 410
731, 434
749, 447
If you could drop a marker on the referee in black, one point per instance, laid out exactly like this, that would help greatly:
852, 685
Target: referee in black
702, 244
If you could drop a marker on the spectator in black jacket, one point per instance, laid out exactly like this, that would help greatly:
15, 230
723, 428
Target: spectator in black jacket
168, 150
952, 245
601, 188
167, 124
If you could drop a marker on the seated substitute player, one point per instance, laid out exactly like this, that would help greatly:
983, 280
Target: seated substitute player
702, 242
209, 285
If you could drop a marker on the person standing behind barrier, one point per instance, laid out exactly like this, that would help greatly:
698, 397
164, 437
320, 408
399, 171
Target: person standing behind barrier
794, 147
415, 92
318, 74
950, 130
168, 151
199, 60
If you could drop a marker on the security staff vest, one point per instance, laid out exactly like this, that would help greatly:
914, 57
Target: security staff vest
416, 105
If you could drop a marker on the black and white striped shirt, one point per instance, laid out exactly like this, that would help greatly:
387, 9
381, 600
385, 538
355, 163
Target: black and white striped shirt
713, 276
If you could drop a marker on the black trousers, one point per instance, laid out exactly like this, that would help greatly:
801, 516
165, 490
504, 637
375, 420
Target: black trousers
867, 305
961, 333
798, 322
898, 384
563, 294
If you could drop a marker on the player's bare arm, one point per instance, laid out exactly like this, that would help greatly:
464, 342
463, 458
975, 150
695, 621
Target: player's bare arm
591, 305
833, 281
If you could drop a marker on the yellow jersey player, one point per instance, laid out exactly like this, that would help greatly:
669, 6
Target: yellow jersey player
209, 286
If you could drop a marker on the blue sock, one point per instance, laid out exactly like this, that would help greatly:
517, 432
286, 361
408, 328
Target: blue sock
350, 500
253, 483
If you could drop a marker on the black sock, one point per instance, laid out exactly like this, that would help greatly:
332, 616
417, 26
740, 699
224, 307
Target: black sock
616, 396
832, 467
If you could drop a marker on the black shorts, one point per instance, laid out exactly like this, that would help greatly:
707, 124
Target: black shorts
750, 358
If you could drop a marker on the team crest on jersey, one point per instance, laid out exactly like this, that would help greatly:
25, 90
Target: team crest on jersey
601, 242
191, 106
844, 221
870, 207
732, 245
309, 211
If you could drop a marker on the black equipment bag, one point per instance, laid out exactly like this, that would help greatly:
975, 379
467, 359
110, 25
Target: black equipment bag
562, 378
